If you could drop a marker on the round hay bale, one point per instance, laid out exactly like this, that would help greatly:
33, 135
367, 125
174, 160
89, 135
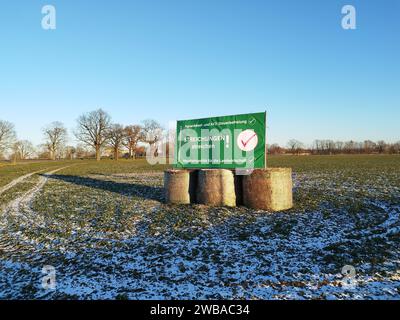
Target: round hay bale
177, 186
216, 187
268, 189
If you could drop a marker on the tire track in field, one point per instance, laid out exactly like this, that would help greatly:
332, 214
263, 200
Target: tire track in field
18, 180
21, 208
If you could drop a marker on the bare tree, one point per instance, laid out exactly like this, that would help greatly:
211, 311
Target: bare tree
42, 151
55, 136
170, 145
369, 146
317, 146
381, 146
70, 152
295, 146
116, 137
82, 152
331, 146
350, 146
152, 134
395, 147
24, 149
14, 155
133, 134
93, 130
7, 135
275, 149
339, 146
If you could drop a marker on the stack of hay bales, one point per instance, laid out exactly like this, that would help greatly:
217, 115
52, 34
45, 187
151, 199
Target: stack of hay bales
263, 189
216, 187
268, 189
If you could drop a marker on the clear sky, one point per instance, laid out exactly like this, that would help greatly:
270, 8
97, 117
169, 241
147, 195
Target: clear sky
182, 59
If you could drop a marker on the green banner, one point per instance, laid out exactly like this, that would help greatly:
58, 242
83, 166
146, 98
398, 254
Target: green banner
229, 142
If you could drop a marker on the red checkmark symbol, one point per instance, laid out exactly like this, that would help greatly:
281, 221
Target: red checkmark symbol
248, 140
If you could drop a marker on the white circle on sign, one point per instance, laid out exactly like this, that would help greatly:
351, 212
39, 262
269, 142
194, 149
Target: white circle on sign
247, 140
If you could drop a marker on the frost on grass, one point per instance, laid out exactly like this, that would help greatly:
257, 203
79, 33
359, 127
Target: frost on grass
110, 236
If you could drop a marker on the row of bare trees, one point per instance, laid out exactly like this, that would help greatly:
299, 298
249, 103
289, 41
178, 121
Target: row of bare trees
95, 131
355, 147
336, 147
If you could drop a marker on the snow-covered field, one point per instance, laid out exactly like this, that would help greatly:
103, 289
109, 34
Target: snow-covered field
108, 235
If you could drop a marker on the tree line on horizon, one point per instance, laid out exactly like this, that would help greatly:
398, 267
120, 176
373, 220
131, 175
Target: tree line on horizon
96, 132
331, 147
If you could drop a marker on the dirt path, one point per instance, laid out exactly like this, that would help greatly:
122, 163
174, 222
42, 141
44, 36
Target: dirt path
19, 212
18, 180
27, 198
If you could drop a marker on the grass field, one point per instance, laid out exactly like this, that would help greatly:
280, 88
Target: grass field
105, 229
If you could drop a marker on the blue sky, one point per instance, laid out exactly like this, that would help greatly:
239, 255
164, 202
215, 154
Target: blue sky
171, 60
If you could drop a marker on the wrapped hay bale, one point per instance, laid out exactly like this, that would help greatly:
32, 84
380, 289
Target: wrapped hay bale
177, 186
268, 189
216, 187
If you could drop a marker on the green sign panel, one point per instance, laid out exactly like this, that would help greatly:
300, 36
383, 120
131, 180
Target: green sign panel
229, 142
